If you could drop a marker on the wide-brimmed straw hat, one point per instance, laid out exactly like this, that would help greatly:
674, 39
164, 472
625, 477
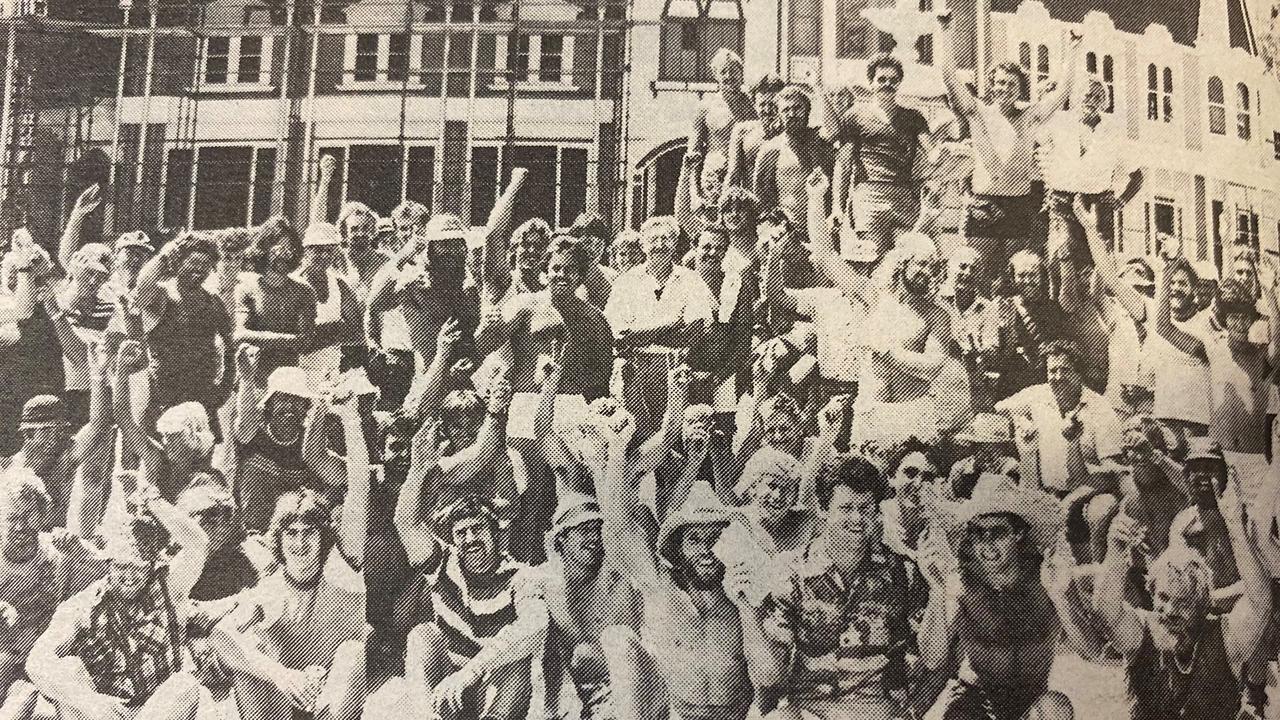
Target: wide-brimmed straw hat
701, 507
997, 495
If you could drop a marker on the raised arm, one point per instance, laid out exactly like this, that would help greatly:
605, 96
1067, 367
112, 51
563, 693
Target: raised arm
1104, 263
1270, 282
150, 297
497, 237
1053, 100
482, 455
353, 530
193, 544
655, 448
427, 390
415, 531
1243, 627
315, 446
1127, 629
940, 570
962, 101
250, 390
320, 199
88, 202
626, 537
131, 360
1058, 574
822, 251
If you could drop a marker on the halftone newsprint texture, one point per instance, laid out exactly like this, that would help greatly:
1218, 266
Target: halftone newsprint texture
639, 359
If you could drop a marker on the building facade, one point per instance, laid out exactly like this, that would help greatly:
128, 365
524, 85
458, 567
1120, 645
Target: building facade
206, 114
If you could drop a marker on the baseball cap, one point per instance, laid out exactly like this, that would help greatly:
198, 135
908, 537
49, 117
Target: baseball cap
135, 239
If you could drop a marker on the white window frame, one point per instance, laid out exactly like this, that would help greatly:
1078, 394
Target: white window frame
1151, 229
560, 148
1244, 111
531, 80
404, 162
381, 80
194, 198
233, 64
1164, 93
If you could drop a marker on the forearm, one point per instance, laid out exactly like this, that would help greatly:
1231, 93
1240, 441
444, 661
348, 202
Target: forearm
841, 180
431, 394
70, 240
481, 456
1080, 634
320, 199
934, 636
768, 660
923, 365
248, 418
240, 652
517, 641
267, 340
355, 508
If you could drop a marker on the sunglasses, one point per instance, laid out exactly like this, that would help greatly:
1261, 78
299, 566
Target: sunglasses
990, 533
911, 473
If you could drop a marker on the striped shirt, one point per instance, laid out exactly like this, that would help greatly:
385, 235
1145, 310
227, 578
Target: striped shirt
471, 609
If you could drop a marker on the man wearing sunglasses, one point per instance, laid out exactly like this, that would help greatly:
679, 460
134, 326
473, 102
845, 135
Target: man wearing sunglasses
1000, 605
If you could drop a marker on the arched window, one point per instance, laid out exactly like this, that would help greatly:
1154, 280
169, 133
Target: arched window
1217, 107
1159, 93
1244, 127
1105, 74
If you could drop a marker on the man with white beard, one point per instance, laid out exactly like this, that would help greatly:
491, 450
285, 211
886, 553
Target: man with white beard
1181, 661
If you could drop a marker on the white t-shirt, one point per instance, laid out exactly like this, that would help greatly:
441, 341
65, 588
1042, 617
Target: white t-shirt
1181, 381
1100, 439
638, 299
1240, 389
1079, 159
837, 323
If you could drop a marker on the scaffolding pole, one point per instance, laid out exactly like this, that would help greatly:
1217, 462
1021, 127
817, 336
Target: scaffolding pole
6, 124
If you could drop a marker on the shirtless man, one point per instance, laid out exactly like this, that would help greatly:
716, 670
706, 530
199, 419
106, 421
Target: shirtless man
680, 581
569, 601
1180, 660
1003, 217
533, 322
719, 112
999, 607
749, 135
785, 161
913, 372
293, 642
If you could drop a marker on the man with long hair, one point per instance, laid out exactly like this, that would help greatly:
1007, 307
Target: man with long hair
996, 601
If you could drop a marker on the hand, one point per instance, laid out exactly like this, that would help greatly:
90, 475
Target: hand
1088, 217
1073, 428
132, 357
937, 562
293, 685
944, 19
328, 165
697, 443
144, 493
446, 698
618, 425
817, 184
99, 360
1024, 430
832, 416
319, 410
679, 375
1231, 502
246, 360
65, 541
448, 337
551, 366
499, 396
89, 200
1125, 536
491, 318
1058, 571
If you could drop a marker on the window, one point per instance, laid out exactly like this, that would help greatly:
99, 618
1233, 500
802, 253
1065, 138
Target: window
806, 27
1164, 220
555, 189
1105, 73
1247, 228
233, 184
1159, 93
1275, 143
216, 59
366, 58
540, 59
1217, 107
1042, 65
374, 58
691, 32
381, 176
1244, 128
398, 58
250, 65
237, 60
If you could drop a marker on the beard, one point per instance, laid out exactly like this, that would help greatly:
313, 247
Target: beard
689, 577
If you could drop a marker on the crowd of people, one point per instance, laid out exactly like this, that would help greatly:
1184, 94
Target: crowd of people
816, 446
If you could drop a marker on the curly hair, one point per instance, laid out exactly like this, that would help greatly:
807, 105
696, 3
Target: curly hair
852, 471
1235, 297
575, 249
22, 483
769, 83
1011, 68
192, 420
532, 225
1183, 571
191, 243
735, 196
884, 60
466, 508
264, 237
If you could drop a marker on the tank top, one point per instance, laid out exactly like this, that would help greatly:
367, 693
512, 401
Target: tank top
1208, 691
1180, 381
325, 360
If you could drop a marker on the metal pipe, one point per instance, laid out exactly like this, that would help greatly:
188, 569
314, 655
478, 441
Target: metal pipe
6, 124
109, 212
